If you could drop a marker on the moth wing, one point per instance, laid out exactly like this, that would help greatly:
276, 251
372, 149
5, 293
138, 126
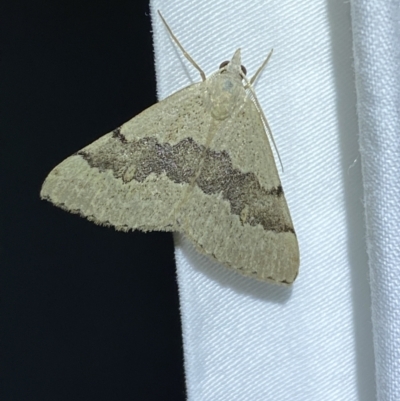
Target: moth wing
160, 171
133, 178
237, 211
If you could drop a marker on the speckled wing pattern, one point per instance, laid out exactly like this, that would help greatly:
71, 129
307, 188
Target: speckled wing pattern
198, 162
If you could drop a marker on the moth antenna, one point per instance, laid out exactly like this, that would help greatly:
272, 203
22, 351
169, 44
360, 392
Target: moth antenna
255, 76
263, 118
185, 53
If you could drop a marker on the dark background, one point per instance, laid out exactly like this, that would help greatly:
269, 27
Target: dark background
86, 313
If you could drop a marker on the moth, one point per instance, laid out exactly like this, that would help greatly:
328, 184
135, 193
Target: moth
198, 162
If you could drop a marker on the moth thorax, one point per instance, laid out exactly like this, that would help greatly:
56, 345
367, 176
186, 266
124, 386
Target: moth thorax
223, 94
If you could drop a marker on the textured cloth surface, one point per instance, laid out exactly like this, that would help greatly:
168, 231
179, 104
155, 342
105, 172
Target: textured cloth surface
376, 30
248, 340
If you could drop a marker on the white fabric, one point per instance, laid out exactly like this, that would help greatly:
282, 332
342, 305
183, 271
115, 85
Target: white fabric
247, 340
376, 30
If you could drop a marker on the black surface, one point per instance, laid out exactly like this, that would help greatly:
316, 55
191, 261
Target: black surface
87, 313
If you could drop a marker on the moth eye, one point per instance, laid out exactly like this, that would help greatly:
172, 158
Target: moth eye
223, 64
244, 70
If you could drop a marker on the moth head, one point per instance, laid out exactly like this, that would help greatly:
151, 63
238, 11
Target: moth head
234, 65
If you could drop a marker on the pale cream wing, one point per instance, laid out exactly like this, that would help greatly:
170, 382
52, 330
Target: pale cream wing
133, 177
175, 168
237, 210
